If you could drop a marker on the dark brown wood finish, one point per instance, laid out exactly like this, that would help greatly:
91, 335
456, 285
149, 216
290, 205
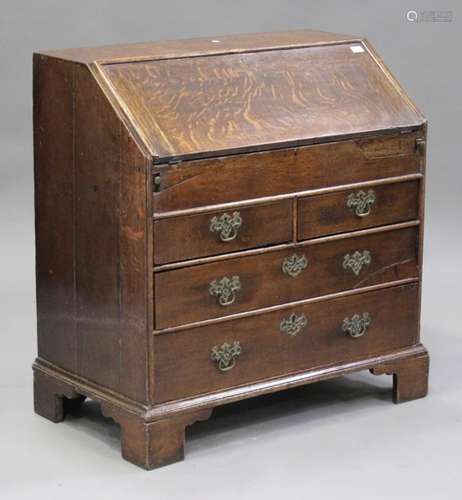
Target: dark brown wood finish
52, 398
410, 379
55, 201
139, 147
190, 236
153, 444
329, 213
268, 352
91, 233
263, 282
239, 177
55, 388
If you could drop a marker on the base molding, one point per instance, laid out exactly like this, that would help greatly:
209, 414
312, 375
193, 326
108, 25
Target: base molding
153, 436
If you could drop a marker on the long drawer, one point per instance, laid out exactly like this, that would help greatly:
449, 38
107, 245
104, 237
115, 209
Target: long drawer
246, 176
299, 338
234, 285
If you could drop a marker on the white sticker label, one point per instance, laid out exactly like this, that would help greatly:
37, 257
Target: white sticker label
356, 49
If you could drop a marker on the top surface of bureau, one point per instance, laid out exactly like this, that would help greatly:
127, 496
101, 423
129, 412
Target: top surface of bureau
196, 105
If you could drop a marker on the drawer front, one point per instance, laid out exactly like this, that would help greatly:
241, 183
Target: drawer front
246, 283
247, 176
241, 351
191, 236
357, 208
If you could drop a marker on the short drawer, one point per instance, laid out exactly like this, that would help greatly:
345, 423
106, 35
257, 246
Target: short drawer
234, 285
358, 208
212, 233
241, 351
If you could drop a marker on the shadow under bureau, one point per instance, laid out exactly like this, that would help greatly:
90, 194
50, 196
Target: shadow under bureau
220, 219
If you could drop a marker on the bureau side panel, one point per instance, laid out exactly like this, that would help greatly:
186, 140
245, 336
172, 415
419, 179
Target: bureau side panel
97, 136
110, 246
54, 173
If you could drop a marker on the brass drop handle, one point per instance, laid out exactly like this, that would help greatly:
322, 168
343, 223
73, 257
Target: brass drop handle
225, 355
357, 325
361, 202
226, 226
225, 289
294, 265
293, 324
356, 261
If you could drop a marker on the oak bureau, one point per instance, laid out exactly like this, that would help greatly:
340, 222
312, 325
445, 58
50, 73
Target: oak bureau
218, 219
